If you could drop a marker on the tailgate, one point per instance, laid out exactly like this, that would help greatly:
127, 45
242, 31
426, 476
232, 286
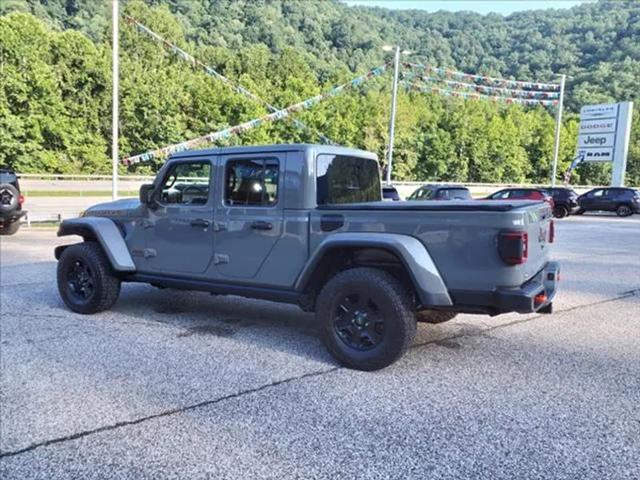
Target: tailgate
539, 227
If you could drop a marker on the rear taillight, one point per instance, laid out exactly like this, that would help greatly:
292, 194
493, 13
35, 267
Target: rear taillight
21, 199
552, 231
513, 247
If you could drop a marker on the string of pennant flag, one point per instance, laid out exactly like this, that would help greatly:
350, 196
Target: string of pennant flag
472, 86
482, 79
454, 93
180, 53
256, 122
498, 91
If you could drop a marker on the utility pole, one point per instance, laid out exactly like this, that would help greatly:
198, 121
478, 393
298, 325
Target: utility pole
115, 106
392, 120
556, 143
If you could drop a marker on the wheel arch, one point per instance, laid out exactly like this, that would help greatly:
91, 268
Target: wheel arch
106, 233
345, 250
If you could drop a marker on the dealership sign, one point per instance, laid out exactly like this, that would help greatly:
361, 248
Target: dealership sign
603, 136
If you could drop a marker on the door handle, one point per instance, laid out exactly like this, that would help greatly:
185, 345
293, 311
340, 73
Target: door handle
199, 222
260, 225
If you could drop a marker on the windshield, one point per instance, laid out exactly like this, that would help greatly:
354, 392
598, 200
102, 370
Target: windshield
347, 179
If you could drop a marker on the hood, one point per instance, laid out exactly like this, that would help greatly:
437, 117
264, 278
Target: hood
118, 208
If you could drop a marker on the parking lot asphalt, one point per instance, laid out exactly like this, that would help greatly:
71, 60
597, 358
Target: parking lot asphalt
174, 384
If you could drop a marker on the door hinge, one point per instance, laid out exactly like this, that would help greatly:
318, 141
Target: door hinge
220, 258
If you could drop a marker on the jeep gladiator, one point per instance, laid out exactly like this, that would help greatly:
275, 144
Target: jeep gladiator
306, 224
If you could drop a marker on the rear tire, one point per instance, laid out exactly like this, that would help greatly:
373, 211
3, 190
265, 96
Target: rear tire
623, 211
10, 228
85, 279
560, 211
366, 318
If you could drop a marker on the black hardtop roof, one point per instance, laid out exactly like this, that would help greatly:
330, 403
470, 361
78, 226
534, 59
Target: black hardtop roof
283, 147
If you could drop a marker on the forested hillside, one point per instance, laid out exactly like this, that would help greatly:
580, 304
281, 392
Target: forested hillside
55, 90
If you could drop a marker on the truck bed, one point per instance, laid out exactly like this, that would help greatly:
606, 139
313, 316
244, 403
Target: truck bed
460, 236
438, 205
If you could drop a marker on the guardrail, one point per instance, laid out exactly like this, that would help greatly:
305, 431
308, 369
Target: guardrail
143, 178
64, 176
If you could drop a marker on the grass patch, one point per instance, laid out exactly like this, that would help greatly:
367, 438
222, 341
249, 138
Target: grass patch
83, 193
41, 225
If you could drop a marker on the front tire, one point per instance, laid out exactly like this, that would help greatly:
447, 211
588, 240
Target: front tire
623, 211
367, 318
435, 316
85, 279
10, 228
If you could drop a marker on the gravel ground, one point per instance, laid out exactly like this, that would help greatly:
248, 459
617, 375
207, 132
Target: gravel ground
185, 385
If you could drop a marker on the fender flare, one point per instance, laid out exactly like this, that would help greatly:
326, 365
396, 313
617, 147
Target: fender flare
426, 277
106, 232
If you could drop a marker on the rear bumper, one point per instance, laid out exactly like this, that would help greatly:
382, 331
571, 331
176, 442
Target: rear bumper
12, 216
535, 294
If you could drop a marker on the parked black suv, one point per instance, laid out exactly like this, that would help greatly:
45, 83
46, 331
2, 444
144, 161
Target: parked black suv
390, 193
441, 192
565, 201
10, 202
623, 201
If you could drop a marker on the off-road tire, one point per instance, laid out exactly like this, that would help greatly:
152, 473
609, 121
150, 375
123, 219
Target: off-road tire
560, 211
395, 308
105, 286
624, 211
13, 196
435, 316
9, 228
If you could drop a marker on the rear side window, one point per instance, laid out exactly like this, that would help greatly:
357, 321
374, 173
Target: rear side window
252, 182
7, 177
345, 179
518, 194
455, 194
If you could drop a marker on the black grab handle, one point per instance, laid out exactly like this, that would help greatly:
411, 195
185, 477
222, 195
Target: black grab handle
261, 225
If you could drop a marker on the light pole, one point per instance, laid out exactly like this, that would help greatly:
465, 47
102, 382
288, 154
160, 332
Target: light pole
114, 107
394, 97
556, 142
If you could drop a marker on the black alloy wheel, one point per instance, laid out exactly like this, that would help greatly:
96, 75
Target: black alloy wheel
80, 281
560, 211
623, 211
358, 322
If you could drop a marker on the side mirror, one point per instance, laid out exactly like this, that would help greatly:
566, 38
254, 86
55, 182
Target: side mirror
146, 194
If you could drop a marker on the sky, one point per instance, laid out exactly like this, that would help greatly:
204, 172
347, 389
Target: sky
504, 7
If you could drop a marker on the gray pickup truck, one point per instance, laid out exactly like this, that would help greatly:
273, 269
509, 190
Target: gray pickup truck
306, 224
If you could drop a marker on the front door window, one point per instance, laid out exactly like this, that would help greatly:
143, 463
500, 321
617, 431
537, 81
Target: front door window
186, 184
